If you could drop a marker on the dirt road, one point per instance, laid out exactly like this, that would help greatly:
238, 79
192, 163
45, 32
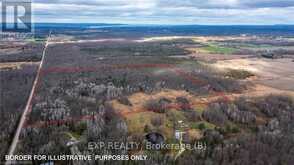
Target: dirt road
28, 105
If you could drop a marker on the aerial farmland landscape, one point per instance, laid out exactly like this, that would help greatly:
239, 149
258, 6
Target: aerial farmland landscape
232, 92
127, 93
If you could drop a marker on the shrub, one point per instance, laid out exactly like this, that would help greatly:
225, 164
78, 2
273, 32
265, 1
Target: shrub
147, 128
201, 126
158, 106
183, 103
214, 115
235, 130
157, 121
125, 101
238, 74
192, 116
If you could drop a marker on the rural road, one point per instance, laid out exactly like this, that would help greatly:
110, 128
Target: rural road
28, 107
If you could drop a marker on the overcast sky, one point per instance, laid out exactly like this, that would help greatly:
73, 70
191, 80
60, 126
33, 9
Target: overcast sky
166, 11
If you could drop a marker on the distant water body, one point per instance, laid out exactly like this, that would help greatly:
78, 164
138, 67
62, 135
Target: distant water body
205, 30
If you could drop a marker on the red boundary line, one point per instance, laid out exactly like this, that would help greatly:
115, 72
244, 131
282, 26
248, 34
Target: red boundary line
178, 71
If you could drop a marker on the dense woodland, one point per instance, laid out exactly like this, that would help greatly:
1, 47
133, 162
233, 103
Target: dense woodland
15, 86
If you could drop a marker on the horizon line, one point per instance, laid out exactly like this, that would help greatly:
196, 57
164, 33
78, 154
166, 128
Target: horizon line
155, 24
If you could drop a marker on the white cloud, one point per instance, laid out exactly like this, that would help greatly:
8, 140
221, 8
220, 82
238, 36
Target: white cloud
166, 11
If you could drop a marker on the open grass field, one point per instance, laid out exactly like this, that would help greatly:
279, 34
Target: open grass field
215, 49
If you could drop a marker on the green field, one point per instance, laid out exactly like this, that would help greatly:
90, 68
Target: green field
215, 49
